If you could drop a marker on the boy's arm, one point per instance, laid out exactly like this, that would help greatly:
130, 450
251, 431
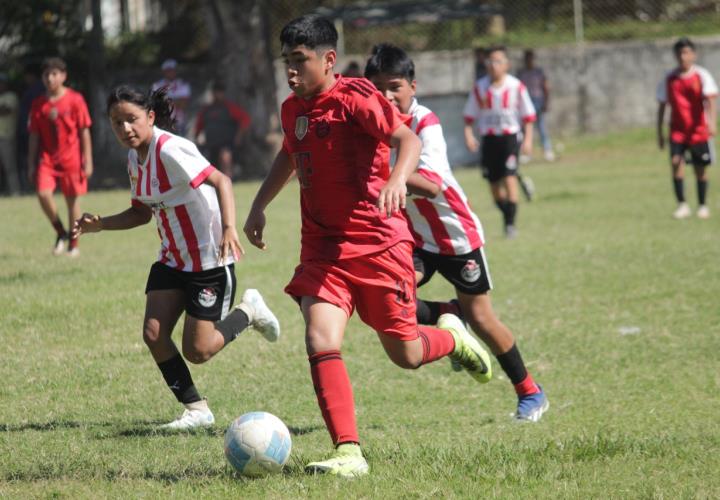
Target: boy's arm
711, 111
526, 146
421, 186
230, 242
279, 175
392, 195
86, 141
660, 122
33, 146
471, 142
137, 215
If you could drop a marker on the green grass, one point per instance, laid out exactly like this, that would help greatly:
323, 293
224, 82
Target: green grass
631, 415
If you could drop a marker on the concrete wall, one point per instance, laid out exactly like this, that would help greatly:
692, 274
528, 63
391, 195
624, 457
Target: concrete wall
616, 91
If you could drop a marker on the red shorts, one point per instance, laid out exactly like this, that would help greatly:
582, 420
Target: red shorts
381, 286
72, 181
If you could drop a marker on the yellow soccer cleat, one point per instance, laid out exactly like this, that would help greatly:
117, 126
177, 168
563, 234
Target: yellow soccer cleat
468, 352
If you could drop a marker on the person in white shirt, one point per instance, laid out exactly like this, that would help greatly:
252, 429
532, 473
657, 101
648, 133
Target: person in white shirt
499, 110
178, 90
448, 235
8, 116
194, 208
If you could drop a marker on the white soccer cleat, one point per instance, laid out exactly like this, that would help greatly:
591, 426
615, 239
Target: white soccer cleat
703, 212
261, 317
549, 155
60, 244
191, 419
682, 211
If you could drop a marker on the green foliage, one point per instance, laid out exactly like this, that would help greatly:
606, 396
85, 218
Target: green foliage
631, 414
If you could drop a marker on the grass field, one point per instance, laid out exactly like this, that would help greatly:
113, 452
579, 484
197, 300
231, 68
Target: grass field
614, 304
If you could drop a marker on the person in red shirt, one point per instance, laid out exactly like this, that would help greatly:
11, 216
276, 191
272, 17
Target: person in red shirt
690, 90
59, 149
356, 247
225, 124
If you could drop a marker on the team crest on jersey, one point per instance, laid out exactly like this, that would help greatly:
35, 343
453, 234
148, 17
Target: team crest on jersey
53, 113
155, 182
511, 162
322, 129
471, 272
207, 297
301, 127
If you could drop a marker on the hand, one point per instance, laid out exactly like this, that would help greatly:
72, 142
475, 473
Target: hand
88, 169
253, 228
88, 223
472, 144
661, 141
526, 147
392, 198
230, 243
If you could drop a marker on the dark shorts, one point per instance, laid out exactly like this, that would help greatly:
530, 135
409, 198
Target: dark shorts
209, 295
499, 156
700, 155
468, 273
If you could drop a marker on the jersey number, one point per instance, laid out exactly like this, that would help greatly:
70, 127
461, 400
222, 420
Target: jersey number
304, 169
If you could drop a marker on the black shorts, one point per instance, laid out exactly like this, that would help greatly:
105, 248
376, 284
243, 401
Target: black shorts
701, 155
469, 273
499, 156
209, 295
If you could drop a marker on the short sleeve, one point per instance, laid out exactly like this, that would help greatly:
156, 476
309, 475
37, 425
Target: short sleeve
525, 105
82, 115
376, 115
471, 111
709, 87
661, 91
33, 124
182, 158
433, 157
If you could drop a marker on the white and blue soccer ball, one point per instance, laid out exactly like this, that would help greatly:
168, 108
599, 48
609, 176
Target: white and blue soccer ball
257, 444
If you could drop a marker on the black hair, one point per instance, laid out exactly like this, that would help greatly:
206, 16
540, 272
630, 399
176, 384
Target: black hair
496, 48
155, 100
311, 30
528, 53
389, 59
682, 43
51, 63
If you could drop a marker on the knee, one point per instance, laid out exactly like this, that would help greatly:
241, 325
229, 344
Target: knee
151, 335
196, 355
407, 360
317, 340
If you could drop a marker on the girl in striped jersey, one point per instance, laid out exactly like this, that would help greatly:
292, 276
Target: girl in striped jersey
448, 235
193, 205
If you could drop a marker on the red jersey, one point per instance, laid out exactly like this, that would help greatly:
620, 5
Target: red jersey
58, 124
686, 94
339, 142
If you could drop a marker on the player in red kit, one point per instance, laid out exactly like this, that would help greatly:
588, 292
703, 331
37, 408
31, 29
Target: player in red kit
690, 91
356, 246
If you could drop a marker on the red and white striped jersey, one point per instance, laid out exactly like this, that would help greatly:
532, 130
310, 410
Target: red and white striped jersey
187, 212
499, 110
445, 224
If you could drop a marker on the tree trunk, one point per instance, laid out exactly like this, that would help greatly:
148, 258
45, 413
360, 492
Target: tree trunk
243, 60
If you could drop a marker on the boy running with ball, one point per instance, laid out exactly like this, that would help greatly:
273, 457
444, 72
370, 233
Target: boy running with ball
356, 247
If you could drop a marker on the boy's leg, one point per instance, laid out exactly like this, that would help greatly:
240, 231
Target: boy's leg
73, 207
49, 208
677, 162
701, 178
324, 331
479, 314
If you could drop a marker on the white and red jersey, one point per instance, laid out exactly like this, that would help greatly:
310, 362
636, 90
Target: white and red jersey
686, 94
499, 110
187, 212
445, 224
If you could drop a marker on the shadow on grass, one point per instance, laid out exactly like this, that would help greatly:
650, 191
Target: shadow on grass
55, 425
300, 431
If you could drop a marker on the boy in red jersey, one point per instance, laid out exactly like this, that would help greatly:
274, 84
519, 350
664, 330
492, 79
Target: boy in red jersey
356, 245
60, 149
690, 90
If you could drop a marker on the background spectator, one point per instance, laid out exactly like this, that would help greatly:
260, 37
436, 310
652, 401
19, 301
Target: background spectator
8, 122
178, 90
534, 79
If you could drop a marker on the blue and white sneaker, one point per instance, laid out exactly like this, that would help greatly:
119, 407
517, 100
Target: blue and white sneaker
191, 419
531, 407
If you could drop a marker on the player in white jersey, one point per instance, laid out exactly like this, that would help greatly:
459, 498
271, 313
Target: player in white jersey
500, 111
448, 234
195, 212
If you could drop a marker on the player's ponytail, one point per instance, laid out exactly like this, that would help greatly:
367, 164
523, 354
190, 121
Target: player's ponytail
155, 100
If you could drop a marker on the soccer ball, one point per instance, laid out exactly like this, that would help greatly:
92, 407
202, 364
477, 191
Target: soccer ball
257, 444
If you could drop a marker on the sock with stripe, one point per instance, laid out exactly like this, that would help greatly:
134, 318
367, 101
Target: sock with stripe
679, 189
701, 191
514, 367
178, 378
436, 343
428, 312
511, 211
59, 229
232, 325
73, 243
334, 395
